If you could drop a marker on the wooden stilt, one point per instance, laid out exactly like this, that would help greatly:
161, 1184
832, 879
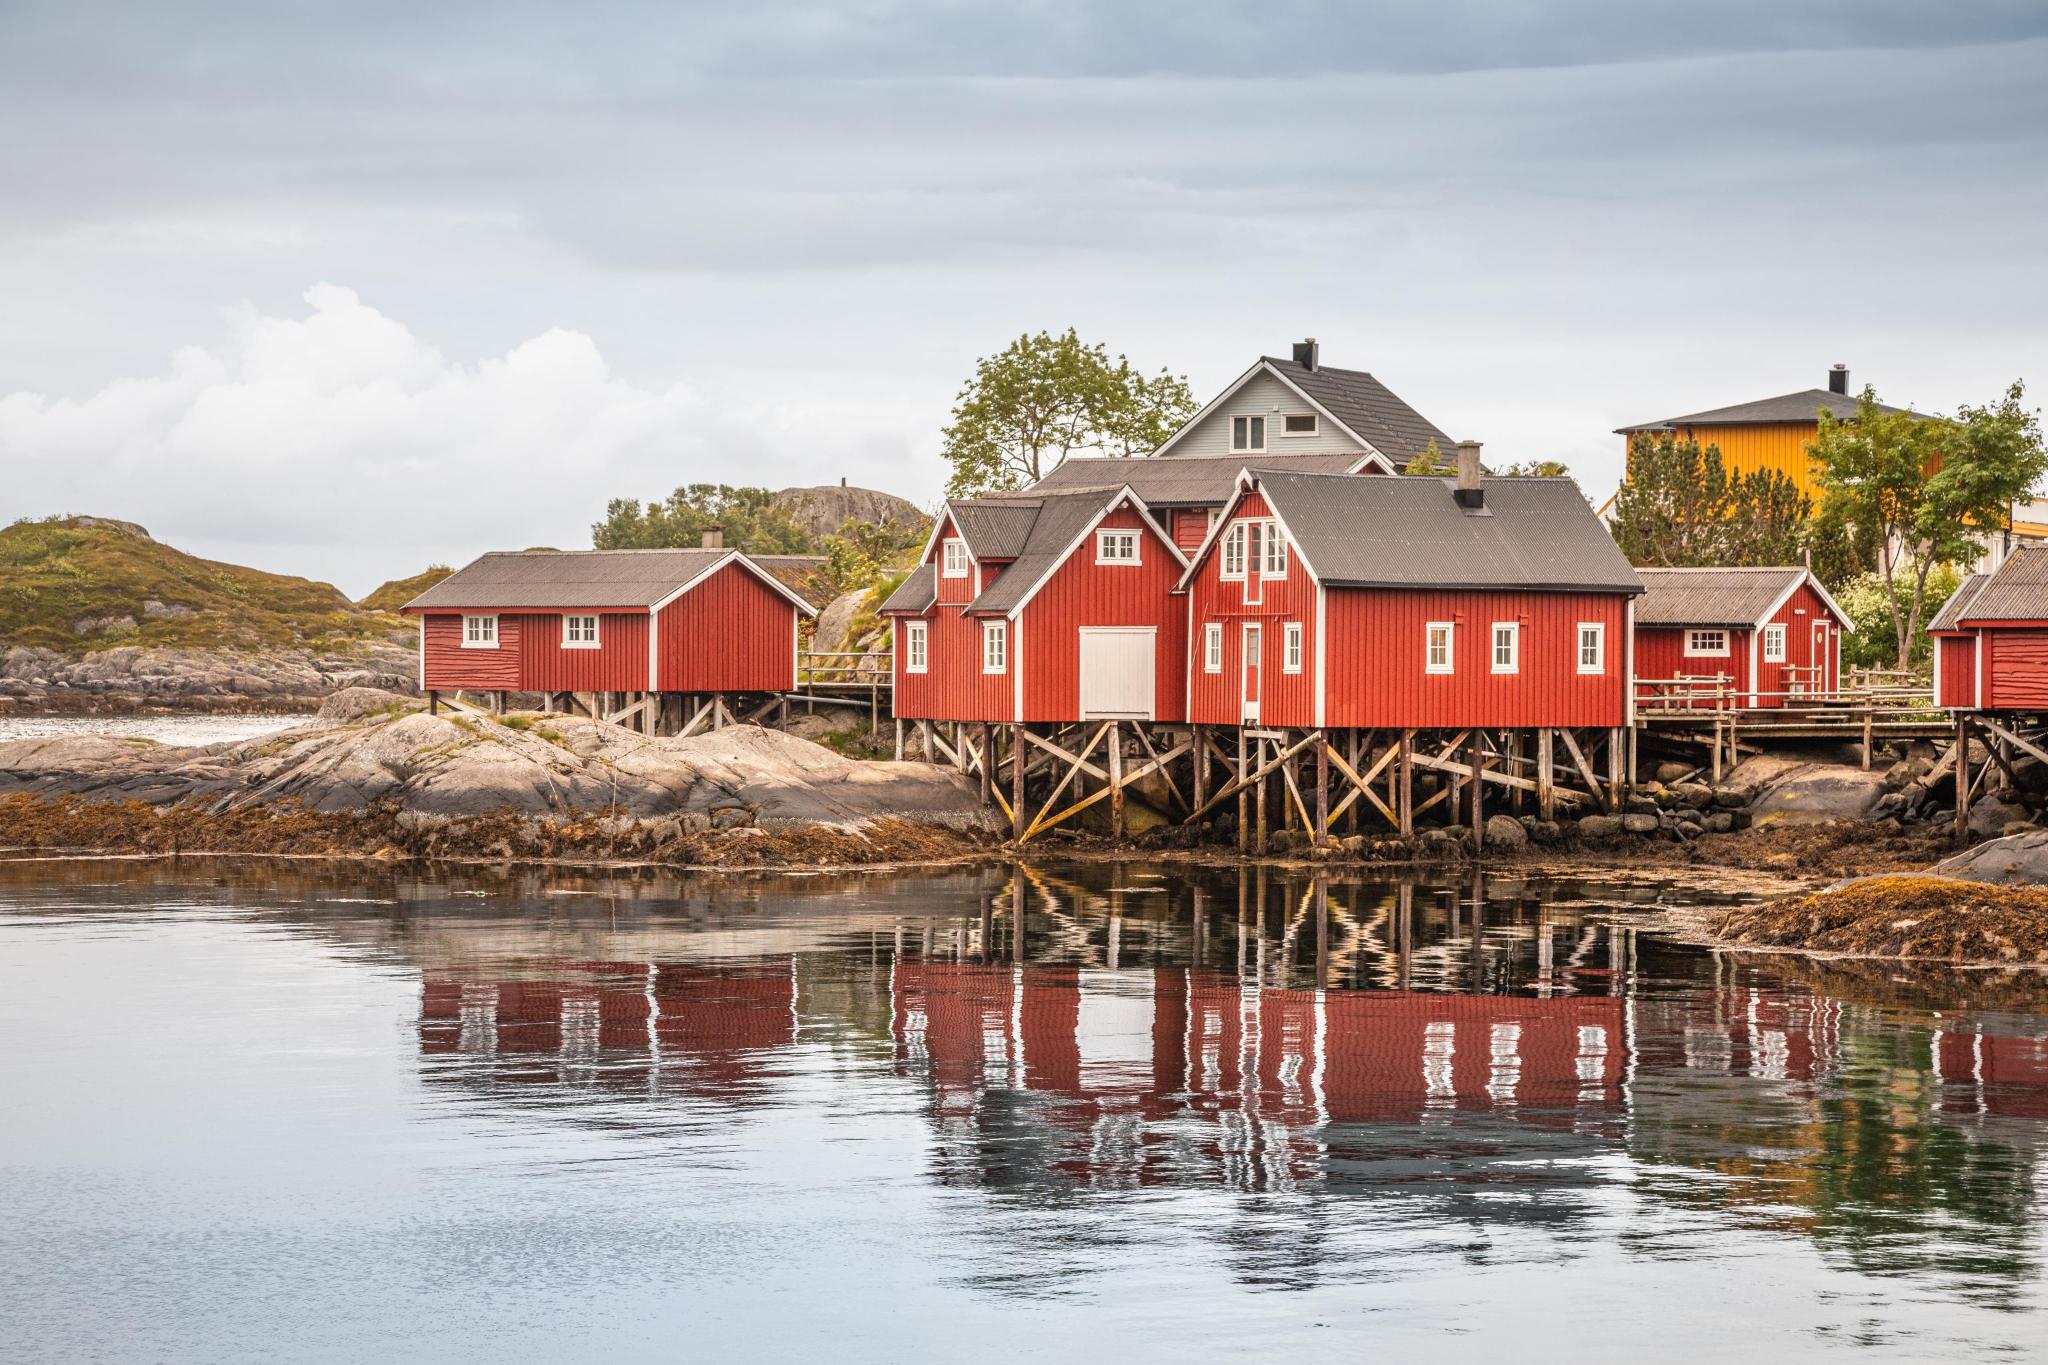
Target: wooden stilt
1322, 816
1962, 780
899, 739
1478, 785
988, 764
1018, 763
1614, 784
1244, 837
1259, 842
1405, 777
433, 703
1201, 741
1546, 776
1116, 780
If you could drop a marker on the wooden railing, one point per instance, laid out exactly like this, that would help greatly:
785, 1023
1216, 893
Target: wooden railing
846, 668
1876, 691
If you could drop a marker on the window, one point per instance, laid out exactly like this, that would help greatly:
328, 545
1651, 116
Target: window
913, 647
579, 632
1116, 547
1276, 552
1507, 641
955, 558
1298, 424
1247, 433
995, 646
1233, 551
1212, 648
1774, 644
1705, 642
1290, 653
1592, 647
479, 632
1214, 512
1437, 658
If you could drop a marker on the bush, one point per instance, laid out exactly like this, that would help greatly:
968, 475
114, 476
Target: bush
1871, 641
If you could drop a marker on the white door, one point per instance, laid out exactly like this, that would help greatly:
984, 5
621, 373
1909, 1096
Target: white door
1254, 673
1116, 672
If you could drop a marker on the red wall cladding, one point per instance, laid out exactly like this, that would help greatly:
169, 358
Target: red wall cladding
450, 667
1083, 593
530, 656
1190, 525
953, 687
1271, 604
2016, 669
1957, 670
1661, 657
730, 633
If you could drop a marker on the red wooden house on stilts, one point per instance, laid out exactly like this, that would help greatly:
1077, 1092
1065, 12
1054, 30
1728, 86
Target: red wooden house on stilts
1747, 637
1991, 668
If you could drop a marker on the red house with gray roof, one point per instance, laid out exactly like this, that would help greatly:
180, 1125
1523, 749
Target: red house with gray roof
1054, 608
1759, 637
710, 620
1991, 638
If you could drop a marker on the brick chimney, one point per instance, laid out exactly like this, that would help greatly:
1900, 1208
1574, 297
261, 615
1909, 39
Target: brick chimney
714, 537
1307, 354
1471, 496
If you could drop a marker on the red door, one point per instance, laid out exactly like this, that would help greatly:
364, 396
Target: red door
1253, 672
1820, 656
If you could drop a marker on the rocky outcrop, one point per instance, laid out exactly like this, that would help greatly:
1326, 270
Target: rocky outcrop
449, 766
131, 678
2016, 860
820, 512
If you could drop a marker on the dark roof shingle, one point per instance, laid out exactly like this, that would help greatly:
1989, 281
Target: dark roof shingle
1711, 597
1181, 480
914, 594
1952, 610
2018, 591
1058, 521
1369, 408
1787, 409
568, 578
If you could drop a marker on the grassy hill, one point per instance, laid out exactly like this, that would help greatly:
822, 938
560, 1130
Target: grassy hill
400, 591
78, 584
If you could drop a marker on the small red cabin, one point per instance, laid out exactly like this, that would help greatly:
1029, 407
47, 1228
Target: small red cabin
1747, 637
609, 621
1329, 600
1042, 609
1991, 638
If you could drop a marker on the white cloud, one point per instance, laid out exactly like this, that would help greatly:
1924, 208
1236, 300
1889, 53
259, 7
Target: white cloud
340, 445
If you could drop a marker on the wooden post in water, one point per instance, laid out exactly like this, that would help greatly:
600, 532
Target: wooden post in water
1962, 780
1322, 810
1546, 775
1259, 844
1478, 797
1244, 836
1406, 805
988, 764
1116, 780
1018, 744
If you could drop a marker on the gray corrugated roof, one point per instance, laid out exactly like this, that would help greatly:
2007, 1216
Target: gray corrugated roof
2018, 591
1710, 597
1952, 610
1369, 408
914, 594
1058, 521
994, 528
1411, 533
568, 578
1786, 409
1181, 480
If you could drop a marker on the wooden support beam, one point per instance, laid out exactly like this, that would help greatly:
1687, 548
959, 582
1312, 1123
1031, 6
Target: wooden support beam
1237, 784
1546, 776
1260, 836
1019, 751
987, 767
1245, 779
1045, 822
1201, 777
1293, 790
1141, 730
1962, 752
1116, 780
2025, 746
1405, 777
899, 739
1320, 830
1571, 746
1478, 791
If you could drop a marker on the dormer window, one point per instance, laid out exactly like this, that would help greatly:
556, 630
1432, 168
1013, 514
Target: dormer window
953, 558
1116, 547
1298, 424
1247, 433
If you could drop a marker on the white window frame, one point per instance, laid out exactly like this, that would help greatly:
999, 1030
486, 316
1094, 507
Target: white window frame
1511, 632
572, 639
1233, 551
479, 632
1694, 649
1290, 647
1774, 643
1276, 552
1429, 640
995, 646
1247, 444
1596, 631
916, 647
1313, 428
952, 557
1212, 647
1109, 544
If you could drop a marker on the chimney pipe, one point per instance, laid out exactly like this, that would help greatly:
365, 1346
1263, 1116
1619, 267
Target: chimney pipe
1838, 380
1307, 354
1471, 496
714, 537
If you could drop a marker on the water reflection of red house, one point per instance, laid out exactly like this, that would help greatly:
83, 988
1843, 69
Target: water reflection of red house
1146, 1047
2002, 1074
1740, 1031
721, 1020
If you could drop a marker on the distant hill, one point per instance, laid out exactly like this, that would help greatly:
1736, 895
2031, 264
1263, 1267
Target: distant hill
400, 591
819, 512
78, 584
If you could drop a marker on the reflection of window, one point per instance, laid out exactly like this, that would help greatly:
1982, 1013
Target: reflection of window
479, 632
1247, 433
1233, 551
579, 632
913, 647
1507, 636
1774, 644
995, 642
1437, 656
1116, 547
1592, 647
1290, 654
1706, 642
1212, 648
1299, 424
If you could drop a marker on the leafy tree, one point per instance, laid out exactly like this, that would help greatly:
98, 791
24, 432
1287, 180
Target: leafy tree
1537, 469
1429, 463
679, 521
1043, 398
1927, 489
863, 554
1681, 508
1870, 641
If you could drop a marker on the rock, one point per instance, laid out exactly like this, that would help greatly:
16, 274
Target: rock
1728, 798
108, 523
1545, 831
1639, 823
1720, 822
165, 611
1694, 795
1889, 827
1505, 832
1601, 826
1989, 816
836, 620
2014, 860
1641, 805
821, 511
2018, 827
1674, 772
1907, 771
355, 703
1808, 793
97, 626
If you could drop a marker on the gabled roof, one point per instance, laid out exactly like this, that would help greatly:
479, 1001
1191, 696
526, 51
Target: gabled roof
1535, 534
563, 580
1182, 480
1720, 596
1059, 520
994, 527
1787, 409
1368, 407
1958, 601
2016, 591
915, 594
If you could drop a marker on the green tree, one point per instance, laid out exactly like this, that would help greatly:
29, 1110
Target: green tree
1537, 469
862, 554
1927, 489
746, 515
1042, 399
1681, 508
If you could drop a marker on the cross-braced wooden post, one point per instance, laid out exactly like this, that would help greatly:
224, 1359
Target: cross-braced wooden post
1018, 762
1406, 777
1116, 780
1478, 788
1322, 829
1962, 779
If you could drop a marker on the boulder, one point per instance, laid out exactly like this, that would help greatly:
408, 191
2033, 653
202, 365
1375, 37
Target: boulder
1694, 795
1989, 816
1638, 823
1505, 833
356, 703
1675, 772
1720, 822
1601, 826
1809, 793
2014, 860
836, 620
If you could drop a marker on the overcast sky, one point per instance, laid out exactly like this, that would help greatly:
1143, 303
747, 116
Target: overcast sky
341, 290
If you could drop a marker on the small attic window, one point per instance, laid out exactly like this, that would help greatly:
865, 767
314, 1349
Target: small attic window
1299, 424
1247, 433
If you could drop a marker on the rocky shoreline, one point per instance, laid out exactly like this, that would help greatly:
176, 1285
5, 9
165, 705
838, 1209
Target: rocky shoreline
128, 679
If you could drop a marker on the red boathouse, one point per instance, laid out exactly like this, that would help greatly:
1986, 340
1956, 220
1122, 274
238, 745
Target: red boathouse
1749, 637
1991, 638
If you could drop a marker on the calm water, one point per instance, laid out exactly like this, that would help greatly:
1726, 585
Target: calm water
181, 730
265, 1112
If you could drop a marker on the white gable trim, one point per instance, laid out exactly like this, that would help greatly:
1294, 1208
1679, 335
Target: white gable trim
735, 557
1246, 482
1109, 505
1264, 366
1802, 579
